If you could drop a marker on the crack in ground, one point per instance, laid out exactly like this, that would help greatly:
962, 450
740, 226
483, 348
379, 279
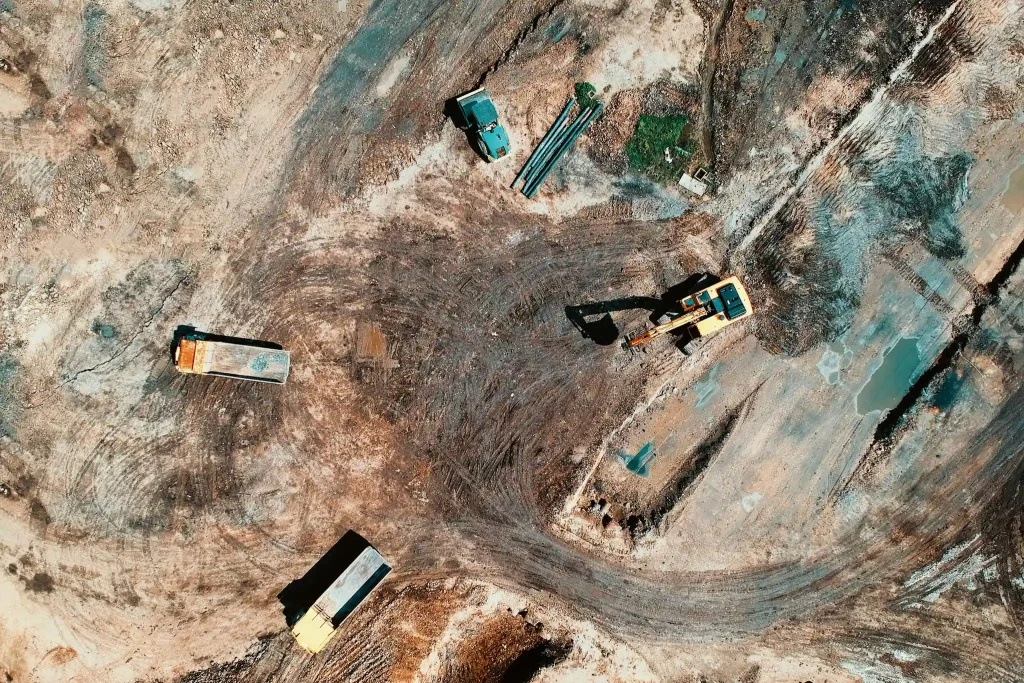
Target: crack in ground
888, 426
135, 336
520, 38
78, 373
707, 92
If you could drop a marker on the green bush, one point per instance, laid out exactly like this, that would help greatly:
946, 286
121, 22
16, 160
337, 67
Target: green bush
651, 137
586, 95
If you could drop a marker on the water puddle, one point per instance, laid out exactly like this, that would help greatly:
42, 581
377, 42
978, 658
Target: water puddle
559, 29
706, 387
834, 360
892, 379
105, 331
639, 464
845, 6
1013, 196
948, 391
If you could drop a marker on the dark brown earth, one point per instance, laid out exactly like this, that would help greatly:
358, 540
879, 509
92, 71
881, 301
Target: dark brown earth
285, 177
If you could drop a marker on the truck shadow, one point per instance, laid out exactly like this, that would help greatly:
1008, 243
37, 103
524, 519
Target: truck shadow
183, 331
453, 112
299, 595
604, 331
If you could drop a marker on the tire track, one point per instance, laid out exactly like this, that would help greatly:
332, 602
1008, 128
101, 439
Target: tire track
863, 121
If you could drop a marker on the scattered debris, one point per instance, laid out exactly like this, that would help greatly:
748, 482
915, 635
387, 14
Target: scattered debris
695, 183
371, 348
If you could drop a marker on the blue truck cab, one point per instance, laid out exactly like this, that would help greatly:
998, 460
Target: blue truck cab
480, 121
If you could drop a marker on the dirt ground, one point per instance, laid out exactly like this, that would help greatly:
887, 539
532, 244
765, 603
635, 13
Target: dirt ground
835, 490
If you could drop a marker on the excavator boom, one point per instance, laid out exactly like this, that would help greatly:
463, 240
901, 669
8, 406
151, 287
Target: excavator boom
665, 328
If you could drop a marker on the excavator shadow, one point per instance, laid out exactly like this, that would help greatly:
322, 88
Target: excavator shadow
298, 595
604, 331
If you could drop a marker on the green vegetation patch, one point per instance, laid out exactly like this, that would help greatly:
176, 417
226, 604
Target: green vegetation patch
660, 147
586, 95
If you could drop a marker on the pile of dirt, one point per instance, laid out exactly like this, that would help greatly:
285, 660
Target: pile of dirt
506, 649
235, 671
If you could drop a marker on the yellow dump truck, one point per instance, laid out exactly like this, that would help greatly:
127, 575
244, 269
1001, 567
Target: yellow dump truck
209, 354
317, 626
705, 312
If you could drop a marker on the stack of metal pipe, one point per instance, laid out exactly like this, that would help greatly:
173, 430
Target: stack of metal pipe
554, 145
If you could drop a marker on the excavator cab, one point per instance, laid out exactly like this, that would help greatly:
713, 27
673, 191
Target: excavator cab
689, 303
731, 302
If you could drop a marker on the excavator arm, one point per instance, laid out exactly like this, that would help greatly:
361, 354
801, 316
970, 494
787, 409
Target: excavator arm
664, 328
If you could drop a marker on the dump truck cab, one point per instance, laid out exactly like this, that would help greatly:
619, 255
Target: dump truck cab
480, 121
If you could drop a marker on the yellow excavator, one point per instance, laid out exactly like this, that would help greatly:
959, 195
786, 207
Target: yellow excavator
705, 312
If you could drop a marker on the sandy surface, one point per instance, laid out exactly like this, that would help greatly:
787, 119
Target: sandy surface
286, 173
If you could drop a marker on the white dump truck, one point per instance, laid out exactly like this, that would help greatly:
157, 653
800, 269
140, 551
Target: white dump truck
317, 626
209, 354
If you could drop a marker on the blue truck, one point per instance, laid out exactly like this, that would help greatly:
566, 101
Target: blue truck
480, 121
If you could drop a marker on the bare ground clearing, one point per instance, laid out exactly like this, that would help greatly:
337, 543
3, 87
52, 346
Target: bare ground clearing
285, 173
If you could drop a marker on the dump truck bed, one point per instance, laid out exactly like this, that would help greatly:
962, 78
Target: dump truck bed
342, 597
226, 359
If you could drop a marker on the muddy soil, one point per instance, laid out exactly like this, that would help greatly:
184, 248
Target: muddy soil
287, 174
